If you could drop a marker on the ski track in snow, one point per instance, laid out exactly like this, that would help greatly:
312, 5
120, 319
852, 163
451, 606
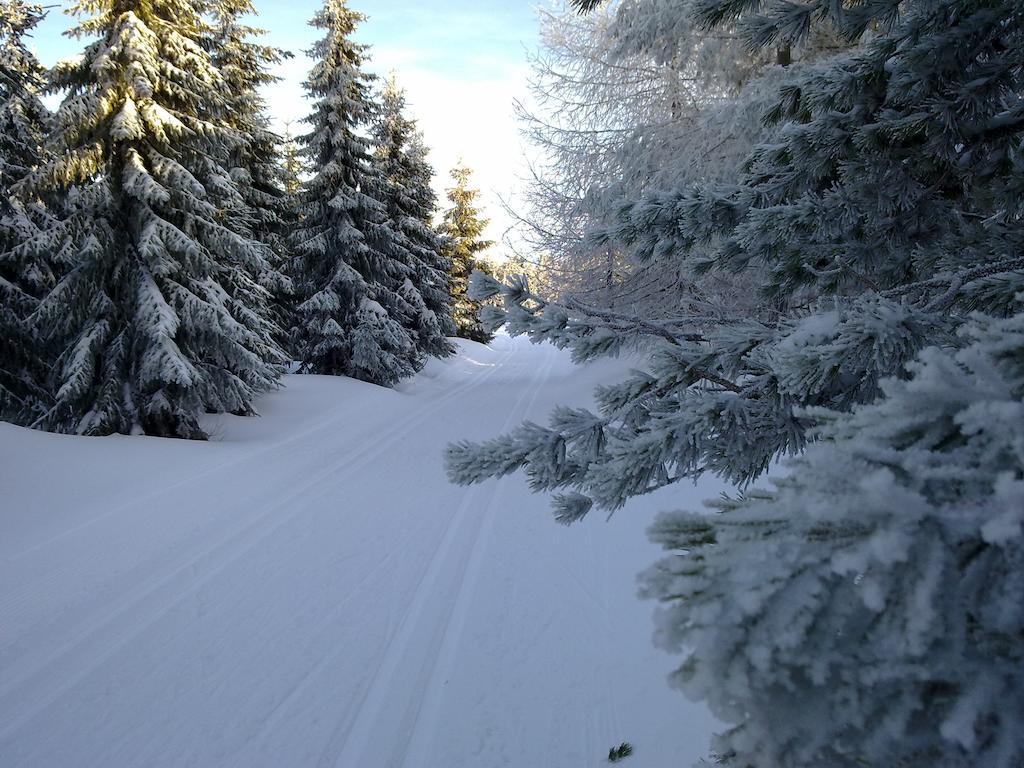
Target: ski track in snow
234, 545
442, 628
308, 590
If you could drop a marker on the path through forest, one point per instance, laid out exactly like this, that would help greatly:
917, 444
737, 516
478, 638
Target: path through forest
308, 590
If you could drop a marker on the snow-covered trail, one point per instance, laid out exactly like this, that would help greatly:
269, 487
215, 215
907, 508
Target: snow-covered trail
308, 590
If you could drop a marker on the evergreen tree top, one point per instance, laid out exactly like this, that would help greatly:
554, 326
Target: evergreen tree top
20, 71
243, 63
393, 130
463, 221
22, 114
292, 164
147, 79
174, 20
343, 100
339, 58
402, 154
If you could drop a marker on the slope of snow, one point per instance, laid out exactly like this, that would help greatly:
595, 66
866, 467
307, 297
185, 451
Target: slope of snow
308, 590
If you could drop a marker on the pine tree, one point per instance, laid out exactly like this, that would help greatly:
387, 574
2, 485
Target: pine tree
436, 286
349, 315
869, 609
462, 226
410, 202
255, 159
24, 276
159, 317
866, 611
874, 236
22, 79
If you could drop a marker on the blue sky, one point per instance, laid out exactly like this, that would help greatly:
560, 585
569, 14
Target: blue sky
463, 62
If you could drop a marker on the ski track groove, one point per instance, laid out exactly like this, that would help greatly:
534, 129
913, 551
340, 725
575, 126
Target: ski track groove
300, 685
248, 536
353, 749
420, 741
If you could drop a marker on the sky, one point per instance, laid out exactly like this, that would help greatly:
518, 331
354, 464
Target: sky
462, 62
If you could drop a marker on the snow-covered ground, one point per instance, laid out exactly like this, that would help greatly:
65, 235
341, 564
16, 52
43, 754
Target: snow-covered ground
308, 590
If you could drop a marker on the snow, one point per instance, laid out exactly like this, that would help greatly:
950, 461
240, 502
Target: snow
308, 590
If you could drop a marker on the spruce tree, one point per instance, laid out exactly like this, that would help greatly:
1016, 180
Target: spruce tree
254, 160
436, 285
349, 317
24, 275
410, 201
22, 79
159, 317
463, 227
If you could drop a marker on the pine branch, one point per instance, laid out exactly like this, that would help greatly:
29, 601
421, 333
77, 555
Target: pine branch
955, 282
660, 331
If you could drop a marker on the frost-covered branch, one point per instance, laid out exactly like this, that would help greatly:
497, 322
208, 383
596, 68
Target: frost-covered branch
727, 400
867, 610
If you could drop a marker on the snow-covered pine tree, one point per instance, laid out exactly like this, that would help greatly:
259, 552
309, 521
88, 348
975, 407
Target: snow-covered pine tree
632, 98
609, 117
24, 275
348, 317
869, 609
881, 624
436, 288
255, 159
868, 258
462, 227
158, 317
410, 201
